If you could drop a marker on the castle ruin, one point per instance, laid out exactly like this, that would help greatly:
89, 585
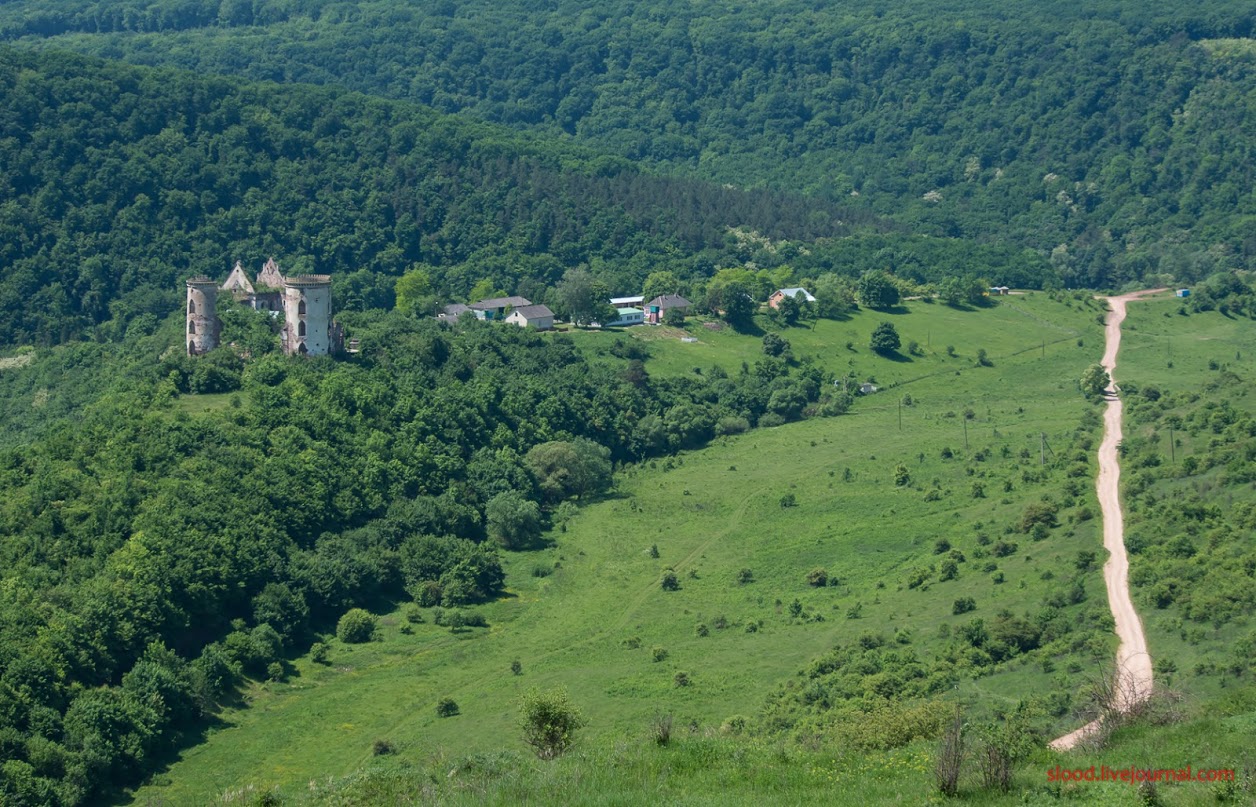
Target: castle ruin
304, 300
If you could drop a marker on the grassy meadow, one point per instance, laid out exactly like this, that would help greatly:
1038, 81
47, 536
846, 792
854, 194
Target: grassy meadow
588, 614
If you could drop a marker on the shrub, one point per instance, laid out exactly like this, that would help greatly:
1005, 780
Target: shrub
735, 724
319, 652
659, 653
963, 605
670, 582
274, 671
702, 629
381, 748
447, 707
1037, 513
1002, 549
516, 667
789, 500
745, 576
355, 627
681, 679
818, 577
549, 722
662, 726
414, 616
902, 476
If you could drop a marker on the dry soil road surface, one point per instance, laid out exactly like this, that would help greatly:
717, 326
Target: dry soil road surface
1133, 663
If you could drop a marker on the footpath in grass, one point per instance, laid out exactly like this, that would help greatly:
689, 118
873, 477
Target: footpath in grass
589, 614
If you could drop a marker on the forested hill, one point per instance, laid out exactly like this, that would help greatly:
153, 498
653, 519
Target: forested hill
1115, 136
117, 181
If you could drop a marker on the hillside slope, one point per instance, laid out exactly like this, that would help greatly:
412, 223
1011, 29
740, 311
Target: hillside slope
1115, 137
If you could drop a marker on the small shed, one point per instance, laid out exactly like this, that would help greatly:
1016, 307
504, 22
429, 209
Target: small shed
1183, 292
532, 316
867, 388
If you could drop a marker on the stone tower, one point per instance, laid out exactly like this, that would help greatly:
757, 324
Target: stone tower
307, 315
202, 319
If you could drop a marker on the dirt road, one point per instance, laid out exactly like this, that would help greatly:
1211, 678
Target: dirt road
1133, 663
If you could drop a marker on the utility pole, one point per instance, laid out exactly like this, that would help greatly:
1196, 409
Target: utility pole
965, 434
1042, 448
1044, 348
1172, 448
900, 414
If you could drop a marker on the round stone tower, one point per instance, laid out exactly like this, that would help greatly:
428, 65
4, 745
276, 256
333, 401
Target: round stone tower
202, 315
307, 315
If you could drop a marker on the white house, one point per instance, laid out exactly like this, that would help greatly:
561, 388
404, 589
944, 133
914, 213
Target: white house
627, 316
532, 316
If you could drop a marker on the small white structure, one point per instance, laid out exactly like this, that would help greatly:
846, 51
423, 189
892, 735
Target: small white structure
532, 316
867, 388
627, 316
495, 307
780, 294
623, 302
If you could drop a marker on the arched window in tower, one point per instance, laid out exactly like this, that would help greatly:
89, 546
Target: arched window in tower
301, 307
191, 306
301, 328
191, 327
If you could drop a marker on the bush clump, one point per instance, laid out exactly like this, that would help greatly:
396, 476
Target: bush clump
355, 627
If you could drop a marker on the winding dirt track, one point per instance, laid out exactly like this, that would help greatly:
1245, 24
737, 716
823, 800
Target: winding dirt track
1133, 663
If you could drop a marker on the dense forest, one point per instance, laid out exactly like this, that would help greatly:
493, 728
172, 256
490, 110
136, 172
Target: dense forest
1114, 138
117, 182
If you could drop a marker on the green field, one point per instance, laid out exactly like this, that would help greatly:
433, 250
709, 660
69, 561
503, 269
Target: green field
591, 622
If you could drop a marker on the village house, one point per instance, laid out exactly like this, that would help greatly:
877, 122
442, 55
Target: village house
774, 300
532, 316
660, 305
627, 316
495, 307
452, 312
